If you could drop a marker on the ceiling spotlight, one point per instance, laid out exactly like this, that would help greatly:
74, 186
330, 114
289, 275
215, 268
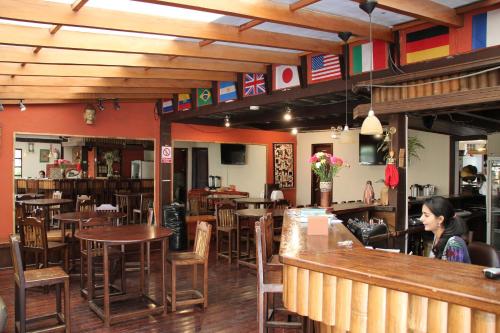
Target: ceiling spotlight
288, 114
227, 123
1, 107
254, 107
22, 107
100, 104
116, 104
294, 131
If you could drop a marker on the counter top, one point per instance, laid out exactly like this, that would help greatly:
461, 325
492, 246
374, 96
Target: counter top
457, 283
352, 207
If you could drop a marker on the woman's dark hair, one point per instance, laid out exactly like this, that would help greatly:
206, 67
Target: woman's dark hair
440, 206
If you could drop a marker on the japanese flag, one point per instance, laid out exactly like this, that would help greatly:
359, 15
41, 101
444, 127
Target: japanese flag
285, 76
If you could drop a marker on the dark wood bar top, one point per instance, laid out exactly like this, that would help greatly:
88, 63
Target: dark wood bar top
352, 207
457, 283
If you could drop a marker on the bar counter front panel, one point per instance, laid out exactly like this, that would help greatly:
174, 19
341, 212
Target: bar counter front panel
360, 290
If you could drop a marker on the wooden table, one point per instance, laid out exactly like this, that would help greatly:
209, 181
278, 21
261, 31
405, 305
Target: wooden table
360, 290
46, 204
255, 202
19, 197
123, 235
255, 213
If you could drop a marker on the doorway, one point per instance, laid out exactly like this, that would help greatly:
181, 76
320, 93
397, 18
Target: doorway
180, 175
315, 193
200, 168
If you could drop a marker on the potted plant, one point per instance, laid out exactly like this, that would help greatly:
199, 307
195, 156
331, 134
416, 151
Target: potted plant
325, 166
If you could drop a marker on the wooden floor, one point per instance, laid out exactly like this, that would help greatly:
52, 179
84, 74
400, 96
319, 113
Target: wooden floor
231, 304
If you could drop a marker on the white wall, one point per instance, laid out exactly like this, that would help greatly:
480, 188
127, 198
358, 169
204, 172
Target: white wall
31, 161
350, 182
433, 167
494, 144
250, 177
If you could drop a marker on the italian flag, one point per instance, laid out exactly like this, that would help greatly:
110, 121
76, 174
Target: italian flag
360, 56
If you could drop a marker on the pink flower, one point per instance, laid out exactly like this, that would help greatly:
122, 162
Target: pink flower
339, 161
333, 159
313, 159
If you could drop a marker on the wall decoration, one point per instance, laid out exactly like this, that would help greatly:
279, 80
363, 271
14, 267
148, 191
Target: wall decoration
283, 165
44, 155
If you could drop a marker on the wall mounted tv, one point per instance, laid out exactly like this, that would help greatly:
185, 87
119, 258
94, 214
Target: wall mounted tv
232, 154
369, 154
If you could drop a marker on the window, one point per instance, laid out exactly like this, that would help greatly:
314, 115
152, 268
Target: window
18, 163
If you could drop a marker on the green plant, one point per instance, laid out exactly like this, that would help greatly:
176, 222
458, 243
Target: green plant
325, 166
414, 145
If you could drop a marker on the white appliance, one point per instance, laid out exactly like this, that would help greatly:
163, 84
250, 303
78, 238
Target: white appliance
493, 202
142, 169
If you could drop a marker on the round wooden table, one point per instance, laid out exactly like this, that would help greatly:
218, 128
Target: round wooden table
29, 196
256, 213
255, 202
46, 204
123, 235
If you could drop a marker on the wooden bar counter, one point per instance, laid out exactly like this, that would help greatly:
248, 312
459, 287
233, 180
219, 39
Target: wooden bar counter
360, 290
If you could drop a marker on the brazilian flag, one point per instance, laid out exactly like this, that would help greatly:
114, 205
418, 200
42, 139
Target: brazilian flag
204, 96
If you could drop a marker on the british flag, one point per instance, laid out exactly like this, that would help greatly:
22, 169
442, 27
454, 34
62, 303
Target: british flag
254, 84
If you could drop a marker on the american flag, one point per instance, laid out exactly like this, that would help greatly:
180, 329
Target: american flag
254, 84
324, 67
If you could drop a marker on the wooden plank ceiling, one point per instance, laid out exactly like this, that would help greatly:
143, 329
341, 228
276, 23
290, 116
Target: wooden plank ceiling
137, 50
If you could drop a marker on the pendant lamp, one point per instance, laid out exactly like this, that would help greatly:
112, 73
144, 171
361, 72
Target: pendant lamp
371, 125
345, 35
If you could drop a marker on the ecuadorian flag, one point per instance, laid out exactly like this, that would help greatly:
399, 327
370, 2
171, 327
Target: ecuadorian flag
427, 44
486, 29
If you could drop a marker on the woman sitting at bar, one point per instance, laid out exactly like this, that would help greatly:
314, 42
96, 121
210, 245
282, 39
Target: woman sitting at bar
438, 216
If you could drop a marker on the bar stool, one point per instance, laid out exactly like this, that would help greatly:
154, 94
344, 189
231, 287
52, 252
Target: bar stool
53, 276
199, 256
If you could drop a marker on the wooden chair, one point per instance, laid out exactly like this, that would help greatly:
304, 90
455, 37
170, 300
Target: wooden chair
225, 224
96, 251
85, 204
34, 240
199, 256
54, 210
146, 201
269, 281
198, 203
277, 223
23, 280
122, 203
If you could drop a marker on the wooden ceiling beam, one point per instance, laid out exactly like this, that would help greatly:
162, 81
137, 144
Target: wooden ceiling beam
79, 96
76, 57
73, 101
281, 13
113, 71
91, 90
53, 13
301, 4
27, 36
250, 24
54, 81
426, 10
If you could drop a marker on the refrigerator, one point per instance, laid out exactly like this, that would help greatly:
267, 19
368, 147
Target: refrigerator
493, 202
142, 169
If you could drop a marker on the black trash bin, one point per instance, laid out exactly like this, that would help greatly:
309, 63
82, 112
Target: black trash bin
174, 218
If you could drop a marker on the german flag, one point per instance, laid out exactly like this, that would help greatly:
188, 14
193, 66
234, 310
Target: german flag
427, 44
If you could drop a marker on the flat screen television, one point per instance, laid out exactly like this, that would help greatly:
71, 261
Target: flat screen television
369, 154
232, 154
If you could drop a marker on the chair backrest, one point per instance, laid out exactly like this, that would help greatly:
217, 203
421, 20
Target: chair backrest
33, 234
17, 261
106, 208
483, 254
122, 203
93, 223
202, 239
146, 201
151, 216
57, 195
194, 206
259, 253
266, 225
85, 205
225, 216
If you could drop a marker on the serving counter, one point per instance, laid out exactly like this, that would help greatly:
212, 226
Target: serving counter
360, 290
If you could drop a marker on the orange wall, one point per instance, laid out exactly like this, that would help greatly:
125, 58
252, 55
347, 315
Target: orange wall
187, 132
134, 120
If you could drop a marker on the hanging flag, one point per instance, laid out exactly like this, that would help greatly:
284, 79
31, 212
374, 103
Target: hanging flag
253, 84
167, 106
361, 53
427, 44
486, 29
204, 96
227, 91
184, 102
285, 76
323, 67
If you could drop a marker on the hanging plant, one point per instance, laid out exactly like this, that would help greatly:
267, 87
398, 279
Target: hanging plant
414, 145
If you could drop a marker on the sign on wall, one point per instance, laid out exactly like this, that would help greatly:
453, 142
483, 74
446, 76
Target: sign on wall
166, 154
283, 164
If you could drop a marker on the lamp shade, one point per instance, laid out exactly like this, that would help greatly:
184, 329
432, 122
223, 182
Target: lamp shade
371, 125
277, 195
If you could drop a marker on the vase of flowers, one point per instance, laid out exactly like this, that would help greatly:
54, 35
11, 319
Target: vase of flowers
325, 166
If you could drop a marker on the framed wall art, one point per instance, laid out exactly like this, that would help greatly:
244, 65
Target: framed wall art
283, 165
44, 155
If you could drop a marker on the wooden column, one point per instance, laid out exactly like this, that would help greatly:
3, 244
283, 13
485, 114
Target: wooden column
398, 196
165, 168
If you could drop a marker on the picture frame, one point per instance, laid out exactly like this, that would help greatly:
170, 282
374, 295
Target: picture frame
44, 155
283, 165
